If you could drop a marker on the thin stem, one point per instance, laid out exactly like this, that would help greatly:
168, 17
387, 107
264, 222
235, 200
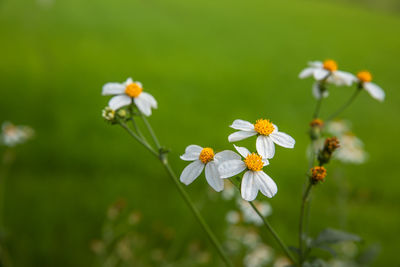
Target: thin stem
134, 135
196, 213
270, 229
317, 108
303, 204
137, 129
162, 156
150, 129
345, 105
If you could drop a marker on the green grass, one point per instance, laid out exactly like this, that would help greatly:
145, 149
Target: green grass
207, 63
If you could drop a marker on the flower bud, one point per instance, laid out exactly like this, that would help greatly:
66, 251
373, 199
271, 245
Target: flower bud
318, 173
108, 114
122, 113
316, 127
330, 145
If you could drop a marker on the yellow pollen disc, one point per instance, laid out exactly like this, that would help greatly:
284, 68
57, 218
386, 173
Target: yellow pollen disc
206, 155
264, 127
330, 65
364, 76
254, 162
133, 90
318, 173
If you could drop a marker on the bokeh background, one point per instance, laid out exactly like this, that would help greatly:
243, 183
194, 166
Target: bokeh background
207, 63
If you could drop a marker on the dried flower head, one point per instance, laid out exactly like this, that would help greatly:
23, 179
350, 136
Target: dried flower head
318, 173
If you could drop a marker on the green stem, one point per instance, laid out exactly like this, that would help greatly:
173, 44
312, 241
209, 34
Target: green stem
150, 129
163, 159
134, 135
270, 229
303, 204
196, 213
345, 105
317, 108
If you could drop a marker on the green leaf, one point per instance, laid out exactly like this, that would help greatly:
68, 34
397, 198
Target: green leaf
332, 236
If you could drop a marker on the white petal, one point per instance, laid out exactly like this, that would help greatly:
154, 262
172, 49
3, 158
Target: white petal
150, 99
192, 152
242, 125
320, 74
307, 72
213, 177
242, 151
119, 101
249, 187
128, 81
240, 135
375, 91
265, 147
191, 172
316, 64
113, 89
283, 139
340, 78
230, 168
226, 155
140, 84
317, 91
275, 128
143, 105
266, 185
266, 161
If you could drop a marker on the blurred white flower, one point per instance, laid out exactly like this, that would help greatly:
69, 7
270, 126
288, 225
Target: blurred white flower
259, 257
229, 191
251, 239
282, 262
12, 135
125, 93
205, 157
338, 127
233, 217
254, 178
327, 70
268, 135
351, 149
249, 215
365, 78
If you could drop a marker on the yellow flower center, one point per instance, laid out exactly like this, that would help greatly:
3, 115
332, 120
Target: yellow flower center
317, 123
364, 76
254, 162
206, 155
330, 65
318, 173
264, 127
133, 90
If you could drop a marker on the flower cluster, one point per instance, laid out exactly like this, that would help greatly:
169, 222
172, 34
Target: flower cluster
227, 163
327, 72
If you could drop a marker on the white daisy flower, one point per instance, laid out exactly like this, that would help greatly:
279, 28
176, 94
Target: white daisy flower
351, 149
13, 135
260, 256
374, 90
268, 135
249, 215
125, 93
327, 70
205, 157
254, 178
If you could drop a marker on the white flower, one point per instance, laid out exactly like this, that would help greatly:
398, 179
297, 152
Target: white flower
254, 178
327, 70
351, 149
249, 215
13, 135
338, 127
232, 217
259, 257
204, 157
127, 92
374, 90
268, 134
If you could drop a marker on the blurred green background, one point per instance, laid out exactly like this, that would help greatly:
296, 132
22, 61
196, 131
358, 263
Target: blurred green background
207, 63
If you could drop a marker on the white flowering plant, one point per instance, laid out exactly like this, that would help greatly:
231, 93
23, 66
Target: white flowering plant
246, 169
